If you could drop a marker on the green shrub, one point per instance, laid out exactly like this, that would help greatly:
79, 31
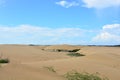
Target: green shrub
83, 76
75, 54
75, 50
50, 69
4, 60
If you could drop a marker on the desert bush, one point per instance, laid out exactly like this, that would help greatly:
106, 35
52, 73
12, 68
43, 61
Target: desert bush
75, 50
75, 54
5, 60
83, 76
50, 68
63, 50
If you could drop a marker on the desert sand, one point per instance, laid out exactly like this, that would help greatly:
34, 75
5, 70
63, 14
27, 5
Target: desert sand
29, 62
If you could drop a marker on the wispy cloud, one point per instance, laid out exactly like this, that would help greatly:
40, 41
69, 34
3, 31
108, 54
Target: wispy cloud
67, 4
97, 4
28, 34
104, 9
39, 35
100, 4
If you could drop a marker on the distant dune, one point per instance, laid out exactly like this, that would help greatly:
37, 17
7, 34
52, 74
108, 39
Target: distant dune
29, 62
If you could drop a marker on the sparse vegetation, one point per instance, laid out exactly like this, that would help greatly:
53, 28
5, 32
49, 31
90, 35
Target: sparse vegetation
61, 50
6, 60
83, 76
75, 54
75, 50
64, 50
50, 68
3, 60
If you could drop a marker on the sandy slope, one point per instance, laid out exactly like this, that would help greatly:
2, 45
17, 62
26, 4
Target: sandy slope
28, 62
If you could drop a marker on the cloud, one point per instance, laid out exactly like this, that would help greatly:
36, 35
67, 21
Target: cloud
109, 34
100, 4
26, 34
111, 26
29, 34
105, 37
67, 4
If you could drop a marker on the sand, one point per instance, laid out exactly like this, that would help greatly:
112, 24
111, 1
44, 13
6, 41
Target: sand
29, 62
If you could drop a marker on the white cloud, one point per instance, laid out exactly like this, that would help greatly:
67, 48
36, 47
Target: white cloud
38, 35
113, 26
109, 33
67, 4
105, 37
28, 34
100, 4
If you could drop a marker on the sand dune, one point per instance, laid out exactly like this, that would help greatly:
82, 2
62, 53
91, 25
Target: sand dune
28, 62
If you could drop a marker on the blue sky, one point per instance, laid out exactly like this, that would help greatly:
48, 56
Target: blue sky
78, 22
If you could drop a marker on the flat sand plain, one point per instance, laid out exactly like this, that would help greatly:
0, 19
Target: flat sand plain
29, 62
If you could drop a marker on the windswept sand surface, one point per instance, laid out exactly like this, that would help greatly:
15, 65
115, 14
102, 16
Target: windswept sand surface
29, 62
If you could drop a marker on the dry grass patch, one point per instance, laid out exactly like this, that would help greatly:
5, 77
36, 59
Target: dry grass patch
50, 68
83, 76
72, 54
